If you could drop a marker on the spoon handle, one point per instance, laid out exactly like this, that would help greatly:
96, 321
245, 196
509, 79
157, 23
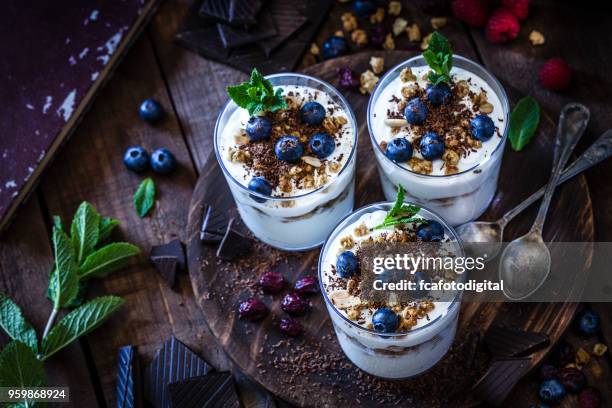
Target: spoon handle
572, 123
600, 150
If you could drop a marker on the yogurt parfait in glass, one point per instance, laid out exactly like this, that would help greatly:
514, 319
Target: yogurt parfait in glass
438, 125
398, 337
287, 144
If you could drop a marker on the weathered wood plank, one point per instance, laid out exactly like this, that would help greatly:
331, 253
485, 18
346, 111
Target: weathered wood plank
25, 261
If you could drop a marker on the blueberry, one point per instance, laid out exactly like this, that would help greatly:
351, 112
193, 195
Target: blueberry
385, 320
346, 264
415, 111
334, 47
420, 278
259, 185
150, 110
431, 231
258, 128
322, 145
432, 146
482, 127
312, 113
136, 159
588, 322
364, 8
289, 149
399, 150
438, 94
552, 391
162, 161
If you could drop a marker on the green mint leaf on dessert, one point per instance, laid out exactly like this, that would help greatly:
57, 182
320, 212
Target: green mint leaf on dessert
400, 213
20, 368
85, 230
257, 95
64, 281
79, 322
439, 57
524, 121
15, 325
398, 221
144, 197
107, 260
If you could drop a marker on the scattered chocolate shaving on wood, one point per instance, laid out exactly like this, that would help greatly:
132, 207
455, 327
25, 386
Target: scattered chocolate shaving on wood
509, 342
129, 392
172, 249
214, 224
500, 378
210, 390
234, 244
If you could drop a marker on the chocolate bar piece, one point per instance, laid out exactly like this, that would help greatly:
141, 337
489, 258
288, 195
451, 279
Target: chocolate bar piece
233, 37
174, 362
128, 379
508, 342
214, 224
234, 244
173, 248
234, 12
210, 390
500, 378
288, 20
166, 266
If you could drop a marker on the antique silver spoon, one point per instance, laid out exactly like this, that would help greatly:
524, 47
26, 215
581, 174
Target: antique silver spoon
525, 262
484, 238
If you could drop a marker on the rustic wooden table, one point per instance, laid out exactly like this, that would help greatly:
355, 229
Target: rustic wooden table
193, 89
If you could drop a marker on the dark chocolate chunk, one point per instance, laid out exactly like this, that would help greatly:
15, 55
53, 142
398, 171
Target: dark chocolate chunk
288, 20
128, 379
233, 37
174, 362
210, 390
500, 378
234, 244
508, 342
214, 224
234, 12
173, 248
166, 266
216, 10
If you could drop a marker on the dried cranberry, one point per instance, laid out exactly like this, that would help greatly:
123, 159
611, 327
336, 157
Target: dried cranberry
376, 35
589, 398
291, 327
271, 282
548, 371
572, 378
347, 78
252, 309
565, 354
294, 304
307, 285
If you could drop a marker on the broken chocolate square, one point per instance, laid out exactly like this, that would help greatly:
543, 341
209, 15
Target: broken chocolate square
288, 20
174, 362
509, 342
210, 390
173, 248
128, 379
214, 224
166, 266
500, 378
234, 244
234, 12
233, 37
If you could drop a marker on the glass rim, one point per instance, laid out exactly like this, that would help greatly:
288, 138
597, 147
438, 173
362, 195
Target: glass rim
362, 210
503, 99
330, 89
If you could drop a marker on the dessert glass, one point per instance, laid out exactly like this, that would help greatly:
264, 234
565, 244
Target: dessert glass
458, 198
394, 355
299, 222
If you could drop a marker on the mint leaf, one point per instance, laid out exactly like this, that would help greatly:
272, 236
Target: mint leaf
239, 94
15, 325
144, 197
400, 213
107, 225
399, 201
524, 121
107, 260
19, 368
397, 221
57, 222
439, 57
257, 95
79, 322
85, 230
63, 283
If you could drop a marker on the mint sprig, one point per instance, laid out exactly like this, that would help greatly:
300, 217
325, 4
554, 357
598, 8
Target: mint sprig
257, 95
144, 197
439, 57
524, 121
400, 213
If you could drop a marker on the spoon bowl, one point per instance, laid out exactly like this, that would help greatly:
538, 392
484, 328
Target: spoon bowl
481, 239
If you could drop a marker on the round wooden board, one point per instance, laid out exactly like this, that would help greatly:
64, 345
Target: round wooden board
312, 370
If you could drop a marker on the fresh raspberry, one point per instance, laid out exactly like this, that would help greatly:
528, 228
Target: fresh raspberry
520, 8
473, 12
502, 26
555, 74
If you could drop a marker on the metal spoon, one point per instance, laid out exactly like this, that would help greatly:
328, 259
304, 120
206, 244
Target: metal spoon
484, 238
525, 262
